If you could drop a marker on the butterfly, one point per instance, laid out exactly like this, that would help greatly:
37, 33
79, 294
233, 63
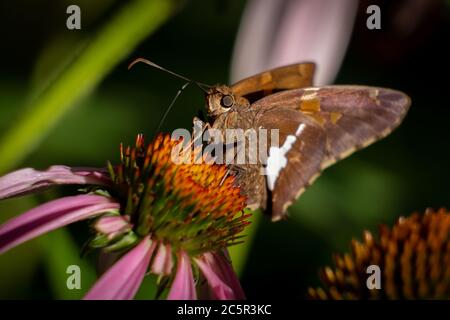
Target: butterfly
317, 126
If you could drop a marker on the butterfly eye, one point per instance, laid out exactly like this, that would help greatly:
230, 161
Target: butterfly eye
227, 101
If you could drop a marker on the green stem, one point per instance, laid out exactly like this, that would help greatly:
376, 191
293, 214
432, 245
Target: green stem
239, 253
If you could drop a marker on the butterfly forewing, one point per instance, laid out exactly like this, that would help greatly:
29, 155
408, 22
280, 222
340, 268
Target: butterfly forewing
284, 78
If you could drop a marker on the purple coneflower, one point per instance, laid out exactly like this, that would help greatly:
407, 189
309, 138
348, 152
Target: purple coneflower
173, 220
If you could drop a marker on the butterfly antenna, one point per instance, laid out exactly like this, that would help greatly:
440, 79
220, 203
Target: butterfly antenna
154, 65
204, 87
161, 121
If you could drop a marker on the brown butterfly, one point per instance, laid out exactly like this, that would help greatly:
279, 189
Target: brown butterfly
317, 126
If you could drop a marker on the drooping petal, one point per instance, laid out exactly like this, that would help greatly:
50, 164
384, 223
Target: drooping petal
163, 261
168, 264
254, 39
224, 262
218, 289
29, 180
294, 31
112, 225
317, 31
159, 260
123, 279
219, 273
183, 286
50, 216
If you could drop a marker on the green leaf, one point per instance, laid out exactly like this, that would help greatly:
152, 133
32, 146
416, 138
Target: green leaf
132, 24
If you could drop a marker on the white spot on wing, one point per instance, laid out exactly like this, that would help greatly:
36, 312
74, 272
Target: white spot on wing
300, 129
309, 94
277, 160
277, 157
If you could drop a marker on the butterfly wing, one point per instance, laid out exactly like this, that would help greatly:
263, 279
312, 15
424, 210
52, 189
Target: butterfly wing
295, 162
347, 117
284, 78
357, 116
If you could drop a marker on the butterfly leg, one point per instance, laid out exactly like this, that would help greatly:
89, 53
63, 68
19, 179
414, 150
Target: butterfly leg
199, 128
234, 170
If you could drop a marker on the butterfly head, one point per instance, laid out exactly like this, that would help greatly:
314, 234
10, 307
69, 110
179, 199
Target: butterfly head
219, 100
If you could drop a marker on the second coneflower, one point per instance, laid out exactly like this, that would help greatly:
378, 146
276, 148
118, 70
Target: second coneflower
173, 219
413, 260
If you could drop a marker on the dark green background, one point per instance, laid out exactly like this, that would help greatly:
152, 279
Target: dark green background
406, 172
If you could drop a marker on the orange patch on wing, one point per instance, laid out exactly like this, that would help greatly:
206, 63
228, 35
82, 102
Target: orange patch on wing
310, 105
335, 116
266, 80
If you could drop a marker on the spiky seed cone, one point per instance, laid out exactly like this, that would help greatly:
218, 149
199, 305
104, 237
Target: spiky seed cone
193, 205
413, 256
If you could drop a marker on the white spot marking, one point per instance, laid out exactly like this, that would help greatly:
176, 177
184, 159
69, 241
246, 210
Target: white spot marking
277, 160
309, 94
277, 157
300, 129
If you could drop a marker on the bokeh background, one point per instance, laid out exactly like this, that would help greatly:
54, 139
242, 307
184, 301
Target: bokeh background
66, 97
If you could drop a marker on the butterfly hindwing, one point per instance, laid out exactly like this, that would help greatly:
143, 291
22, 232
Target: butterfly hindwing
353, 116
338, 120
295, 162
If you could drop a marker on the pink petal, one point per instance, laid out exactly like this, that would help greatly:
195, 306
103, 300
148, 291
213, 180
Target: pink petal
159, 260
223, 261
168, 265
163, 262
112, 225
218, 289
123, 279
29, 180
50, 216
183, 286
317, 31
292, 32
222, 280
255, 37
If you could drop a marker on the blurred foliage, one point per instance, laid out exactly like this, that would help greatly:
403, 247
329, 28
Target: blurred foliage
112, 43
47, 69
18, 267
60, 252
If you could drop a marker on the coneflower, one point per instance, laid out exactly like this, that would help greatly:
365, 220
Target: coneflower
413, 258
171, 218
